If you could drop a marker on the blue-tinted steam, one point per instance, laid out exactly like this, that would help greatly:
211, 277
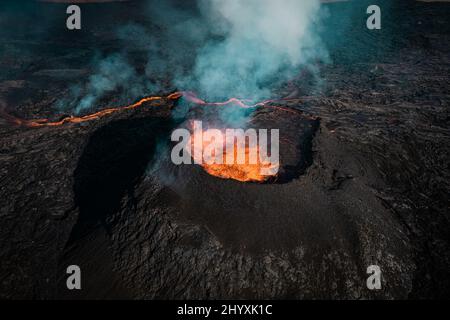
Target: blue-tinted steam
113, 75
217, 49
262, 42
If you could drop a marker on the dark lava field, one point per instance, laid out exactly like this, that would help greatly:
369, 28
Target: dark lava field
365, 181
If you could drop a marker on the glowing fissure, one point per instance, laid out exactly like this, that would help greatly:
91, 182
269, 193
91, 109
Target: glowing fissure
189, 96
74, 119
245, 171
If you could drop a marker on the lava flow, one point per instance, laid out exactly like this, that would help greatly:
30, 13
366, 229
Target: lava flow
189, 96
245, 172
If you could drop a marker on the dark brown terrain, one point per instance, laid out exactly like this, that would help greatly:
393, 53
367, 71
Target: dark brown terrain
371, 186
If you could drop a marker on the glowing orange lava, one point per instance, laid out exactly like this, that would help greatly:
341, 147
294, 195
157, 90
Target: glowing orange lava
245, 171
73, 119
189, 96
241, 172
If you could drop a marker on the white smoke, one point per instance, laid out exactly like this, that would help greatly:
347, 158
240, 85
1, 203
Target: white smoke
233, 48
259, 40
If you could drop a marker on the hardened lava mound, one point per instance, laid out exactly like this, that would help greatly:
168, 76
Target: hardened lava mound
157, 230
364, 178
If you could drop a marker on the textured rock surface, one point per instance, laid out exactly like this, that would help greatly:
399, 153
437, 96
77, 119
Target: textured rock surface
103, 195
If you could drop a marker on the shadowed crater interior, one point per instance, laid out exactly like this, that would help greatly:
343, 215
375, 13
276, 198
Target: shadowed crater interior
113, 162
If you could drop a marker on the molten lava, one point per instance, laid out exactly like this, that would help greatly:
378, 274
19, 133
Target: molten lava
240, 172
189, 96
245, 171
73, 119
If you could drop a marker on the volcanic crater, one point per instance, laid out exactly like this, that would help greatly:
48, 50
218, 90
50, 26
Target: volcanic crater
125, 175
364, 176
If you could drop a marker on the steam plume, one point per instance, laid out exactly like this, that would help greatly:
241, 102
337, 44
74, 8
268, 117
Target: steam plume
261, 41
218, 49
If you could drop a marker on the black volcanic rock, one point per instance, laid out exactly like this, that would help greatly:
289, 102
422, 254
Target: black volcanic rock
104, 195
163, 240
297, 131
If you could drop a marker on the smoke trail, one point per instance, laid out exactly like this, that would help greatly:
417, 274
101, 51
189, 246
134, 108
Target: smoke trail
111, 74
153, 52
262, 41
